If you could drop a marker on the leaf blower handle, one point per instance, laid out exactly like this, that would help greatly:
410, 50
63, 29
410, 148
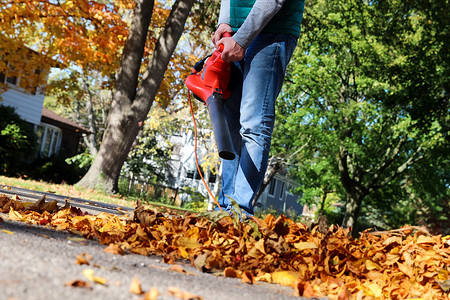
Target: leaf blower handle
225, 34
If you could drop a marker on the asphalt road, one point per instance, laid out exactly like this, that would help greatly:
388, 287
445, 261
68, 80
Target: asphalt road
37, 262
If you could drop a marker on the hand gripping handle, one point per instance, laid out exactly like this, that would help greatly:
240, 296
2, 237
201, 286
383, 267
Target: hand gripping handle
226, 34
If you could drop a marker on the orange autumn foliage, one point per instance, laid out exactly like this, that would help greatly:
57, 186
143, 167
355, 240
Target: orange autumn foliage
85, 34
275, 250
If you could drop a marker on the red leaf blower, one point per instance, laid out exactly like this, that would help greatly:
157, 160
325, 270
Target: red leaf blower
209, 83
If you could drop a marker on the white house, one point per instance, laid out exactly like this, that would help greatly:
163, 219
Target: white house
54, 132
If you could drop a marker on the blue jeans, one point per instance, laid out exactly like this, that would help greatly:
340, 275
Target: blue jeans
250, 110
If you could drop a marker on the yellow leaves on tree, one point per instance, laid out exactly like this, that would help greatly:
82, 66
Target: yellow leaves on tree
274, 250
87, 33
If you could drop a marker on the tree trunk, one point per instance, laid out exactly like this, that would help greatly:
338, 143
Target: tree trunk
91, 140
322, 202
352, 181
273, 167
218, 182
130, 105
216, 189
352, 209
354, 189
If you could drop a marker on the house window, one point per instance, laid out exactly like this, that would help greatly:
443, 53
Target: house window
8, 79
272, 185
282, 189
12, 80
212, 177
289, 188
49, 139
16, 80
190, 174
195, 175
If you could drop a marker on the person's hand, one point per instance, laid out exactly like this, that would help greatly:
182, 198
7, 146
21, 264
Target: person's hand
219, 33
232, 51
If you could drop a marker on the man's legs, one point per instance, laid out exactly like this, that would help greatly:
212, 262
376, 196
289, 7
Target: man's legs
251, 115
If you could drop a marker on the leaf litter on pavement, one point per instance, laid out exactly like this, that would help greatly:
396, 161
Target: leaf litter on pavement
403, 264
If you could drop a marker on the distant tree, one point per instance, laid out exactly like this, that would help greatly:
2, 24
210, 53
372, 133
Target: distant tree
83, 99
352, 89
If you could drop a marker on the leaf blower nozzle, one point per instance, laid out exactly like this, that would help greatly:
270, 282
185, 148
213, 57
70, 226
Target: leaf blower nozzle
209, 83
220, 126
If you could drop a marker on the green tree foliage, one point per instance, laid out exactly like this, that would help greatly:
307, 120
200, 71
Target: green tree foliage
357, 92
149, 159
17, 141
83, 98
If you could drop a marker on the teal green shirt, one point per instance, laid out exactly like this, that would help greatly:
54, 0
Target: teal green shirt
248, 18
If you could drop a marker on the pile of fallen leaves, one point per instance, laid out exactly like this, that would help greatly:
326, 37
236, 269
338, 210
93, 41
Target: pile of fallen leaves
402, 264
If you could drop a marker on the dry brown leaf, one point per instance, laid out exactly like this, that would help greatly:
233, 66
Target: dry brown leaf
370, 265
343, 293
3, 200
393, 240
7, 231
230, 272
40, 206
152, 294
79, 283
247, 277
374, 275
185, 242
176, 268
422, 239
179, 269
15, 215
83, 259
303, 289
305, 245
200, 261
89, 274
406, 269
175, 291
6, 206
258, 250
287, 278
76, 239
265, 277
444, 284
373, 290
135, 287
114, 249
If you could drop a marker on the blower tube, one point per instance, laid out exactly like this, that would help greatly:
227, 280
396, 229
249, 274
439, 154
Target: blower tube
220, 126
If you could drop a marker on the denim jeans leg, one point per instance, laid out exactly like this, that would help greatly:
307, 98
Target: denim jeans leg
232, 112
262, 72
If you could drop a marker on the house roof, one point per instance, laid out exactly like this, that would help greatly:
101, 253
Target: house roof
50, 117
